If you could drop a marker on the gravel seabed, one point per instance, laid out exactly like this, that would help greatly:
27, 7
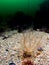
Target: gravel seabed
13, 44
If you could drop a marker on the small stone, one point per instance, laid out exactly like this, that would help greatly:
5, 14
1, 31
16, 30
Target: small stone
12, 64
40, 49
5, 37
14, 48
6, 49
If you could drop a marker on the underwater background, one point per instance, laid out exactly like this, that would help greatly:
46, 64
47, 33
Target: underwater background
12, 6
23, 14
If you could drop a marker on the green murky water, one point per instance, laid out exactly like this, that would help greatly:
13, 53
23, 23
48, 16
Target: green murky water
12, 6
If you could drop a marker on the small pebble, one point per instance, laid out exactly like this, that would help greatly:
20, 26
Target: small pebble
40, 49
12, 64
5, 37
6, 49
